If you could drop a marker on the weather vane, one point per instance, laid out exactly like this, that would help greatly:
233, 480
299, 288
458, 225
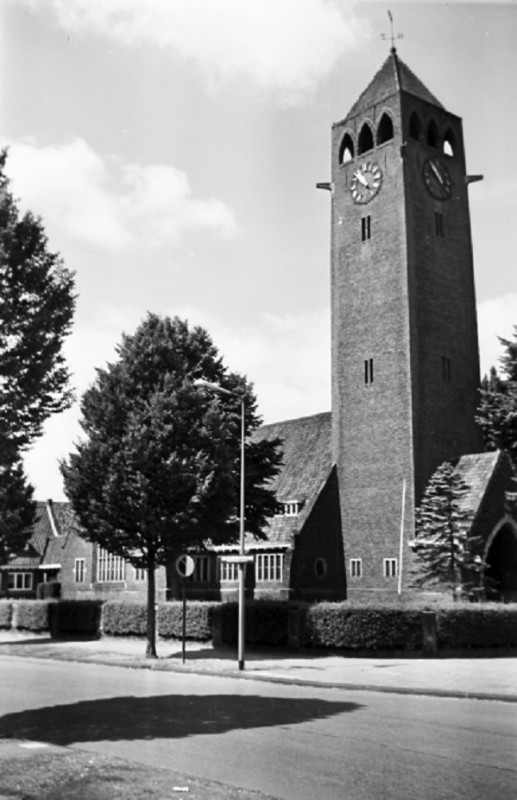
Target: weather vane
392, 36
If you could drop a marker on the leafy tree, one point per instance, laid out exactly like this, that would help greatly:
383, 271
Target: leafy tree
36, 309
17, 510
497, 412
445, 551
158, 471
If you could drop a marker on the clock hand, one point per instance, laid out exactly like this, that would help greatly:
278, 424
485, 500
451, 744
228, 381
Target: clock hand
437, 172
360, 177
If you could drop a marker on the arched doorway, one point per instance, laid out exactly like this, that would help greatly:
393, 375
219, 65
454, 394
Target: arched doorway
501, 569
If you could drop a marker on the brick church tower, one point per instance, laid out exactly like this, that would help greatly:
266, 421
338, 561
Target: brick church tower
405, 364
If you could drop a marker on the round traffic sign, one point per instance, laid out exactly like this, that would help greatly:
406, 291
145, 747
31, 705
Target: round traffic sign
185, 566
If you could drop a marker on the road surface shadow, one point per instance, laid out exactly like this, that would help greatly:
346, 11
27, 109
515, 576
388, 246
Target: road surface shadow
162, 717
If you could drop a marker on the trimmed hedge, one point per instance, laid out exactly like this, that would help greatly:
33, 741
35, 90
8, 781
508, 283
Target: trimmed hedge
124, 619
341, 626
199, 620
6, 614
477, 626
32, 615
81, 617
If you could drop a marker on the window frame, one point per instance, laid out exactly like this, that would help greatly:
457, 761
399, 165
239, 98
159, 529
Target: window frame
355, 568
269, 567
79, 570
390, 567
110, 568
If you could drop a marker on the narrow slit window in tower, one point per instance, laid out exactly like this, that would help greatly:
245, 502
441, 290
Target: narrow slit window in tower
438, 224
446, 369
368, 371
366, 228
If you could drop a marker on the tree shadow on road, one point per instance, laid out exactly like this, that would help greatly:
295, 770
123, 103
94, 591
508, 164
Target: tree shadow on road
163, 717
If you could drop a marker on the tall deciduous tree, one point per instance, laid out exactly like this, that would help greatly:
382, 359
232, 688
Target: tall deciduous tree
446, 554
497, 412
36, 309
158, 471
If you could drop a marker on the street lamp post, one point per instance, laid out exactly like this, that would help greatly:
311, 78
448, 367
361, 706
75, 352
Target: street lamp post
214, 387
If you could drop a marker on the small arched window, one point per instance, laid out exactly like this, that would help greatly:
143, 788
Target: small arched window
346, 151
385, 129
432, 134
448, 144
415, 126
365, 141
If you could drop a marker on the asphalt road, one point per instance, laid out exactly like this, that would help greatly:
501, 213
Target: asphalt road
297, 743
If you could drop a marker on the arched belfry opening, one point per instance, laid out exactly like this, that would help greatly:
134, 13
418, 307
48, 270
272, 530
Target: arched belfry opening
365, 141
501, 569
385, 129
346, 151
415, 126
448, 144
432, 134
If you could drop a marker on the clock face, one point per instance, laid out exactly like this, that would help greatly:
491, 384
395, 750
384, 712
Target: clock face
366, 182
437, 179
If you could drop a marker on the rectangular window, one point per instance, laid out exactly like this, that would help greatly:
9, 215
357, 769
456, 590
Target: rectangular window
438, 224
356, 568
229, 572
20, 581
201, 572
79, 570
390, 567
366, 228
368, 371
269, 567
446, 369
140, 574
110, 568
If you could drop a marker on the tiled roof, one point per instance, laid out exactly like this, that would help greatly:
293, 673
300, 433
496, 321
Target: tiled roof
476, 470
48, 536
394, 76
307, 462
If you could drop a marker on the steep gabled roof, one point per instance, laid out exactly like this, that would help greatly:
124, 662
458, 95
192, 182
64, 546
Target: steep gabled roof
477, 470
307, 463
394, 76
48, 530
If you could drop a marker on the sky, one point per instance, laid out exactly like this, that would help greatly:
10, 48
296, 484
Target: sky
172, 149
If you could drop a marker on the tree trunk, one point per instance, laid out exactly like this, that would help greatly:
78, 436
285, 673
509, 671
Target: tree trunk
151, 611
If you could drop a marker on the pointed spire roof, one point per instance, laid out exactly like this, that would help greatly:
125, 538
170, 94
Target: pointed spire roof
394, 76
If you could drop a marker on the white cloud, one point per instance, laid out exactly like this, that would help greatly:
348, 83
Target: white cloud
287, 45
107, 203
286, 357
496, 318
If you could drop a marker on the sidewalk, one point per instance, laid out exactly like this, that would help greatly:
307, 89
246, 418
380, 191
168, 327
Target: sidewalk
492, 677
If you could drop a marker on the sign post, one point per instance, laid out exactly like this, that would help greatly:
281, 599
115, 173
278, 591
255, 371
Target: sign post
184, 567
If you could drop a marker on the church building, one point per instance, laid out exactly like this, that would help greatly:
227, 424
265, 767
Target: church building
405, 379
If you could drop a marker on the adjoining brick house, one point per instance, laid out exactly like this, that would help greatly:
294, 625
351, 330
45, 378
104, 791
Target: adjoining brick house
57, 554
300, 557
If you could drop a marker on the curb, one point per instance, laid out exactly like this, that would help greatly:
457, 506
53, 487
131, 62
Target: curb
161, 666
